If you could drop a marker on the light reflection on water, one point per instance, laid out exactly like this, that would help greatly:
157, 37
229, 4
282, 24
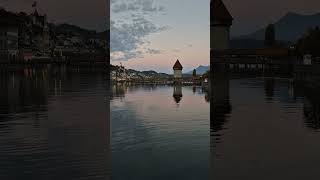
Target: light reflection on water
160, 132
260, 128
53, 124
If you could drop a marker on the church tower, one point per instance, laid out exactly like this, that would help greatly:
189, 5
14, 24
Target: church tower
220, 22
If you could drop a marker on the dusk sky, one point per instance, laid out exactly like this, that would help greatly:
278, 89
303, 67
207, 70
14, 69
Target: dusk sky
250, 15
179, 29
171, 29
152, 35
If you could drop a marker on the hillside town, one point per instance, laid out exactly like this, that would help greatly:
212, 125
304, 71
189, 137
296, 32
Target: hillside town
119, 74
31, 38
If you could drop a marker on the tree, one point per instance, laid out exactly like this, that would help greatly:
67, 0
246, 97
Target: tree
309, 43
206, 75
270, 36
194, 73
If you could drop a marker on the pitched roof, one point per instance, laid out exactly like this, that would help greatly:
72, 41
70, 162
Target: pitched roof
35, 13
219, 13
8, 18
177, 65
177, 98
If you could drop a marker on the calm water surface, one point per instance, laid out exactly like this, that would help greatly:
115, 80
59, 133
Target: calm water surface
160, 132
260, 128
53, 125
264, 128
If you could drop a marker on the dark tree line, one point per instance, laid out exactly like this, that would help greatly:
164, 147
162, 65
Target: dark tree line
270, 40
309, 43
270, 36
194, 73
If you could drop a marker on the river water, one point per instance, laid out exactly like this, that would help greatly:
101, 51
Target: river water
54, 124
253, 128
160, 132
264, 128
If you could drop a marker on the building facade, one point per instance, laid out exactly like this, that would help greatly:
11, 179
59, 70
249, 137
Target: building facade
20, 33
40, 32
9, 37
220, 22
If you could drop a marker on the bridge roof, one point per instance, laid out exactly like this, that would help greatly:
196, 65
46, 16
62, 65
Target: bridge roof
219, 13
250, 52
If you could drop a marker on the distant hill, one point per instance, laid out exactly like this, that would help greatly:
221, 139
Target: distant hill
288, 28
149, 73
141, 74
104, 35
200, 70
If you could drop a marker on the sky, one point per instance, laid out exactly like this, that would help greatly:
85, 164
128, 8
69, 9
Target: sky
153, 34
250, 15
90, 14
171, 29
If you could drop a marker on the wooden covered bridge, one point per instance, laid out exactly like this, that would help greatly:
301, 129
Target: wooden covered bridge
278, 60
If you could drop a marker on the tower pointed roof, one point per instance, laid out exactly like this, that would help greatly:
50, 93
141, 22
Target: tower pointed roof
35, 13
177, 65
219, 14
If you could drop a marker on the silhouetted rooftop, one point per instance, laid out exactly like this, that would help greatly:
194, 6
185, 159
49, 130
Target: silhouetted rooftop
177, 66
219, 13
8, 18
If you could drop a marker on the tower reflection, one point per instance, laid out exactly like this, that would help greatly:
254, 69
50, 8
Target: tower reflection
269, 84
220, 107
177, 93
220, 102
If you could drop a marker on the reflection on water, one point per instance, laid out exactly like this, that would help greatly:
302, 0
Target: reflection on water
269, 88
311, 111
220, 104
264, 128
53, 124
159, 132
311, 106
177, 93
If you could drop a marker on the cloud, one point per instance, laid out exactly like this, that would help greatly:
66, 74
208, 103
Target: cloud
121, 6
161, 8
129, 37
154, 51
176, 50
130, 28
117, 55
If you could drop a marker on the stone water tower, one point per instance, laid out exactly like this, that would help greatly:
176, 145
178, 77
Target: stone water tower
177, 70
220, 22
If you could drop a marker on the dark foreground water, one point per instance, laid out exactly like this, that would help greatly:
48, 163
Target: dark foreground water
264, 128
53, 125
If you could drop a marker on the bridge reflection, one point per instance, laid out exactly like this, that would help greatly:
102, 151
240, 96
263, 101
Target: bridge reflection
219, 102
311, 104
